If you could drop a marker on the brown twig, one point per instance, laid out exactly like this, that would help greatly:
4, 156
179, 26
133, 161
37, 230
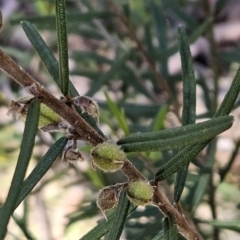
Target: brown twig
184, 228
67, 113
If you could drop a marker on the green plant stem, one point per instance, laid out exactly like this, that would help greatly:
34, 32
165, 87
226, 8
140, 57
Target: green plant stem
61, 25
21, 167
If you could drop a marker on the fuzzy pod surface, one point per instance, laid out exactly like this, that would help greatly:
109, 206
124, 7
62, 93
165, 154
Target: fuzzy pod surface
140, 192
108, 157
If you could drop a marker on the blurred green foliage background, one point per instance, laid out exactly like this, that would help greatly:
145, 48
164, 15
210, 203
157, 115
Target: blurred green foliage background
124, 54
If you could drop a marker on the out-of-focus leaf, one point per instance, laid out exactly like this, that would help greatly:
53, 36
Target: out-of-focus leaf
160, 22
80, 55
118, 64
174, 7
177, 142
229, 225
159, 236
193, 37
120, 116
159, 120
135, 111
230, 57
201, 186
230, 98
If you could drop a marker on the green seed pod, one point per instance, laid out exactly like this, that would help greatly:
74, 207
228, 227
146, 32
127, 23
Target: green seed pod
108, 157
140, 192
48, 116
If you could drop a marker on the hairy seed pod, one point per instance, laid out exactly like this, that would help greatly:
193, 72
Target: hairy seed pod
140, 192
108, 157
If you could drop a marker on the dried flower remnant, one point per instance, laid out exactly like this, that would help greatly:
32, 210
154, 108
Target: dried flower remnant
108, 197
18, 107
108, 157
140, 192
17, 110
87, 104
72, 155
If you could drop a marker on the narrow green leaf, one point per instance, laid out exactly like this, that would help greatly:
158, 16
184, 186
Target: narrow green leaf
45, 54
73, 17
26, 148
120, 116
159, 236
172, 132
230, 225
230, 98
169, 229
41, 168
201, 186
189, 153
189, 102
180, 159
61, 24
117, 65
104, 226
159, 121
189, 82
178, 142
120, 217
184, 132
